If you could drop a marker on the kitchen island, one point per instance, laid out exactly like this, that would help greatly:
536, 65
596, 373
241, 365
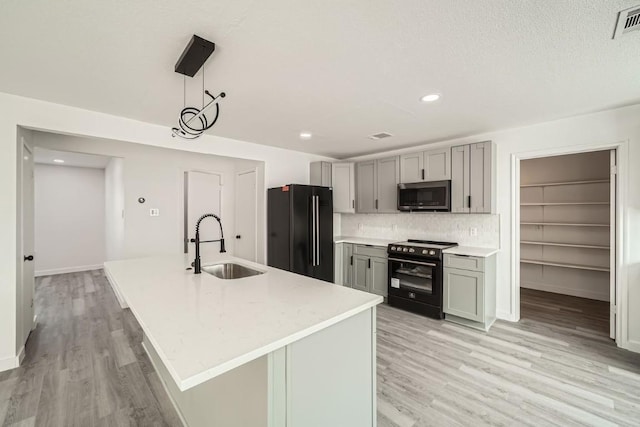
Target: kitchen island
275, 349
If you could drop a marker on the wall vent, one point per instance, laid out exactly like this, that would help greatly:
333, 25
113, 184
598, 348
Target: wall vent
380, 135
628, 21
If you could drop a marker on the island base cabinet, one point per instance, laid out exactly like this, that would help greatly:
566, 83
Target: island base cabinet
325, 379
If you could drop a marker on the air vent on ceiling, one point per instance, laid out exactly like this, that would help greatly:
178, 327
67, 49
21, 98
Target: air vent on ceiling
628, 21
380, 136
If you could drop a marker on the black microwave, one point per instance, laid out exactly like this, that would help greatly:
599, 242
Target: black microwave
425, 196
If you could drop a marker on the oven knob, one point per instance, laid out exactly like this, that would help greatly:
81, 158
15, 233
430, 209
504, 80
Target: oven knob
412, 250
424, 251
404, 249
432, 252
393, 248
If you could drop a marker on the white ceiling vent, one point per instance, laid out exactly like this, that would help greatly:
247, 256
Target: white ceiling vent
628, 21
380, 135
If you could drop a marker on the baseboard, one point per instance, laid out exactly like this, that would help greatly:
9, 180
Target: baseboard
20, 356
67, 270
600, 296
633, 346
505, 315
12, 362
116, 291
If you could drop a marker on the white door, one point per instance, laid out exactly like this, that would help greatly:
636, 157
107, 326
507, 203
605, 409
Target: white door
203, 195
28, 288
246, 216
612, 244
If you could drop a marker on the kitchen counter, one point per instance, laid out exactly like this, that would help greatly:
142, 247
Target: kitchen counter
471, 251
201, 326
363, 241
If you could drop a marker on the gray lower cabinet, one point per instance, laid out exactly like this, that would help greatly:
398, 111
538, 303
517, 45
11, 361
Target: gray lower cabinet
469, 295
347, 264
365, 268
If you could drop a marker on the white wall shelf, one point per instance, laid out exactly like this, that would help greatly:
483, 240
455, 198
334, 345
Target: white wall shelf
566, 245
554, 184
564, 265
564, 224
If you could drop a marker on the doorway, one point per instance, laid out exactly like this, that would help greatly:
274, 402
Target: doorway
246, 215
567, 242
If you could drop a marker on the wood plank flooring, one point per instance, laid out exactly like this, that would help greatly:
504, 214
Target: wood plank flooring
557, 366
85, 367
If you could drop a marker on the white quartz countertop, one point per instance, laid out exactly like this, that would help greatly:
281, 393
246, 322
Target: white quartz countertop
202, 326
471, 251
363, 241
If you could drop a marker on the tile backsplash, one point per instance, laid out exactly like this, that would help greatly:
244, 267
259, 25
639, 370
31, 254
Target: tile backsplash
428, 226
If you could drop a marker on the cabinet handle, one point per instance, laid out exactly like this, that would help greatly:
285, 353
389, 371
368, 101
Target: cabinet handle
423, 174
351, 260
369, 266
469, 201
353, 203
376, 203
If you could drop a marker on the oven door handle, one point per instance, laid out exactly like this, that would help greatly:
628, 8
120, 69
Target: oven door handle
428, 264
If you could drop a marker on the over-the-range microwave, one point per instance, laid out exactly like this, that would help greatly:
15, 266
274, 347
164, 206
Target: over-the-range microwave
425, 196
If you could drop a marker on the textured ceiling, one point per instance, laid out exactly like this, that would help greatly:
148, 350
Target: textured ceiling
342, 70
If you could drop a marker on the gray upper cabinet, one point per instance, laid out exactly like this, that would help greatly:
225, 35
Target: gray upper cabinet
343, 180
432, 165
473, 178
377, 185
320, 174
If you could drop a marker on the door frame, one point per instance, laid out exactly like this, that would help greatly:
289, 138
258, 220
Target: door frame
620, 279
235, 225
185, 198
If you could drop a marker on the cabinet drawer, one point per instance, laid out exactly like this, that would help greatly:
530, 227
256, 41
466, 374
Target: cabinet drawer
464, 262
374, 251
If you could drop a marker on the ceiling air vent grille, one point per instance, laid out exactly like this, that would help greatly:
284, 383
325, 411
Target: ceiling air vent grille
628, 21
380, 135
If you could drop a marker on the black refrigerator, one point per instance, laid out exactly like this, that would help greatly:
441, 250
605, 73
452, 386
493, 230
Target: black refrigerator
300, 230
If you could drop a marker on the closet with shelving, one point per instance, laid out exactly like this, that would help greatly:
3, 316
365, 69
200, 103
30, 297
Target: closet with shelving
565, 229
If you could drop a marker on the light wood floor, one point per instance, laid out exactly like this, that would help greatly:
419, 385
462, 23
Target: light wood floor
85, 367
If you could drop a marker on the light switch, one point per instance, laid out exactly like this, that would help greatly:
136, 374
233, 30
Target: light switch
154, 212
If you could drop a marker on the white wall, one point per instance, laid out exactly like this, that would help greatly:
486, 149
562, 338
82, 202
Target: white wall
575, 133
429, 226
69, 219
114, 209
281, 167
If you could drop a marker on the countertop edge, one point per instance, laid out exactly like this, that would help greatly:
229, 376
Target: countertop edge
472, 251
195, 380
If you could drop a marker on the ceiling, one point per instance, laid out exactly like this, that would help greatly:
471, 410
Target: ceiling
43, 155
342, 70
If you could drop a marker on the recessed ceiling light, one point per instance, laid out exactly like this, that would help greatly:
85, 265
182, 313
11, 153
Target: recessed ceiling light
305, 135
58, 160
430, 98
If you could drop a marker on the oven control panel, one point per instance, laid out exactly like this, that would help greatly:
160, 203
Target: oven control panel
414, 250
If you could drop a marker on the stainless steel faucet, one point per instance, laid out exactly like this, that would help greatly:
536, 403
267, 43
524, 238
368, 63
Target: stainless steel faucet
197, 266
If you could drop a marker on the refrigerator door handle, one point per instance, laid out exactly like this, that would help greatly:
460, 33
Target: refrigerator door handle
313, 231
317, 230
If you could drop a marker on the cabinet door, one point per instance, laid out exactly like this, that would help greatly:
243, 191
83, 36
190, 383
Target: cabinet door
338, 252
437, 164
464, 294
379, 276
388, 178
326, 179
343, 180
361, 272
347, 265
460, 178
411, 167
366, 187
480, 177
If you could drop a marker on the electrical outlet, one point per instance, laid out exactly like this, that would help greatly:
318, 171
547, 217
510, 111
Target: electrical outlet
473, 231
154, 212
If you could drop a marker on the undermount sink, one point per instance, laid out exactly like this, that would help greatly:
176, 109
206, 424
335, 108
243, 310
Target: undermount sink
230, 270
